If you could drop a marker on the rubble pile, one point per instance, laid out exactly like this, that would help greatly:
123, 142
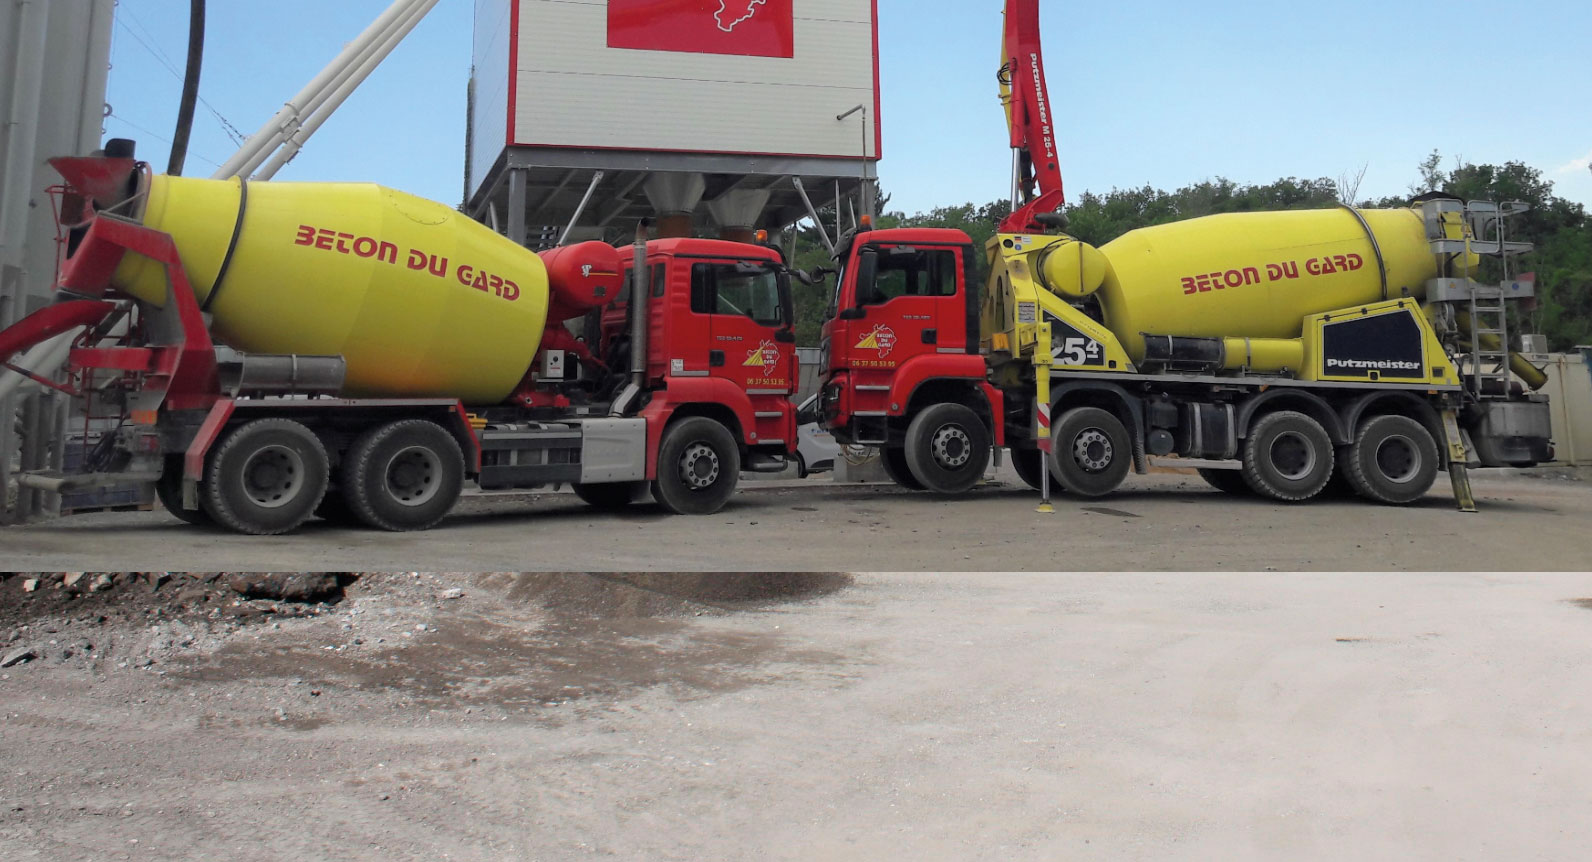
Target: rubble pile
98, 621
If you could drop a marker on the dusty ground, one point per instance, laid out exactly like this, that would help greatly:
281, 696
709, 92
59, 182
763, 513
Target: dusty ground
1166, 522
924, 717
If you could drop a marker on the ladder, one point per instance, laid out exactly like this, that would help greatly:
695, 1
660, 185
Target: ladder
1457, 229
1489, 342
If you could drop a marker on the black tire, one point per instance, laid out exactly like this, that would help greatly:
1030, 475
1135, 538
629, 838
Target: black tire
1029, 464
609, 496
699, 465
894, 461
404, 475
1287, 457
265, 477
169, 490
1227, 481
1393, 460
948, 448
1091, 452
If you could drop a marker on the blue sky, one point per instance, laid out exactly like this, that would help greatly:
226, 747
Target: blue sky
1160, 93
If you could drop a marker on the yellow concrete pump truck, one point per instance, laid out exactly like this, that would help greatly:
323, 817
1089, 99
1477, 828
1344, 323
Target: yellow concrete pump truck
1275, 352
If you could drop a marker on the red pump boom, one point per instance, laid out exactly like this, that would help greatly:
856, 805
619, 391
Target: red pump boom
1037, 182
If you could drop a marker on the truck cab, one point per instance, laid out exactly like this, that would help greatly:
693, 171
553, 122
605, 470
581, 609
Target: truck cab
902, 365
721, 343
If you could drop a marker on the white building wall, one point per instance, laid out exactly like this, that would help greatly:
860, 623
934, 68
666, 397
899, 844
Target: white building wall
572, 90
489, 117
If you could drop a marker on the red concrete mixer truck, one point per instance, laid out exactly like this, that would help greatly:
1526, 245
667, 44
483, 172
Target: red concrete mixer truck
382, 350
1276, 353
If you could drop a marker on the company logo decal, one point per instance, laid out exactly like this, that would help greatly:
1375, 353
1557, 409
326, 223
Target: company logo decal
746, 28
881, 338
419, 260
764, 356
1374, 364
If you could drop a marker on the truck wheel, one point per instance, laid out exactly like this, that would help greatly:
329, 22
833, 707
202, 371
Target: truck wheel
1287, 457
1227, 481
609, 495
266, 477
1028, 463
169, 490
698, 467
404, 475
894, 461
1091, 453
1393, 460
947, 448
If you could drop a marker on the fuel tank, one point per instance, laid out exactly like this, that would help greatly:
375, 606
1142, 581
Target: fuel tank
1258, 275
418, 299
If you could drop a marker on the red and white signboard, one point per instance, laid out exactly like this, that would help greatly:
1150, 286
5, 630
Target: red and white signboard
748, 28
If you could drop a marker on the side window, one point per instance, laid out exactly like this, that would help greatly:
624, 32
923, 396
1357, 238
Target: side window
911, 273
658, 279
741, 289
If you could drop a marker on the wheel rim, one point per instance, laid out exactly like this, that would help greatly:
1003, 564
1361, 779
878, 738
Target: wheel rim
699, 466
1398, 459
1292, 456
952, 446
1092, 450
273, 476
413, 476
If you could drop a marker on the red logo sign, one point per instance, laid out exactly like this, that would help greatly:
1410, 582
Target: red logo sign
748, 28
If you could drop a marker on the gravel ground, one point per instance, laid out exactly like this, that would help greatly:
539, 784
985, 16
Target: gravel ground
811, 716
1166, 521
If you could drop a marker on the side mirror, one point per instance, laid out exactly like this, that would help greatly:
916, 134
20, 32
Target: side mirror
867, 270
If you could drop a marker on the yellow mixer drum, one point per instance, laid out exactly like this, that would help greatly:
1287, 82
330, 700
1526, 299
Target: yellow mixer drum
419, 300
1258, 275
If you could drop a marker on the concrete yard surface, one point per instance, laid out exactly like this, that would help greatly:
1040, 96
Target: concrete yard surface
1169, 522
828, 717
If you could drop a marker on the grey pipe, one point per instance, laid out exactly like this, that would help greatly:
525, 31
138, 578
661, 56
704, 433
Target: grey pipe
321, 108
281, 126
640, 291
